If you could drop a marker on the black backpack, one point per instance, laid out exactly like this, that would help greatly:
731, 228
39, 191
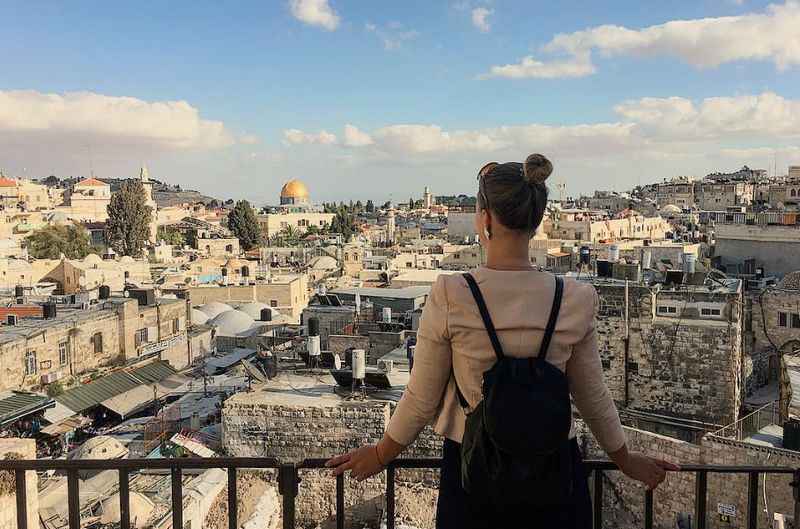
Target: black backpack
515, 451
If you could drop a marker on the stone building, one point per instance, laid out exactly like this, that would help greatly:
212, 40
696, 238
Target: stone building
672, 356
586, 227
36, 352
719, 195
773, 248
461, 225
287, 294
89, 200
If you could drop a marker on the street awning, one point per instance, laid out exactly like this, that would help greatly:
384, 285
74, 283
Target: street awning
113, 386
65, 426
15, 405
141, 397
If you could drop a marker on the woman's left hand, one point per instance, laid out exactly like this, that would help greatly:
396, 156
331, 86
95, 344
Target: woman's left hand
361, 462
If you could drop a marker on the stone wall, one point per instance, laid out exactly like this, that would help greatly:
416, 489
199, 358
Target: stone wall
13, 448
682, 364
339, 343
298, 427
624, 498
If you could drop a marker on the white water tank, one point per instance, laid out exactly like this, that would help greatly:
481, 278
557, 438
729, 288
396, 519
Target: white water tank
387, 314
613, 253
313, 345
647, 258
359, 364
689, 260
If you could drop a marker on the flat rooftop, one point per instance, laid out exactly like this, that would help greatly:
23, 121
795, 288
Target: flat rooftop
67, 315
393, 293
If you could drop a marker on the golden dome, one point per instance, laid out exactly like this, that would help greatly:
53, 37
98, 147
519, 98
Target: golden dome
294, 189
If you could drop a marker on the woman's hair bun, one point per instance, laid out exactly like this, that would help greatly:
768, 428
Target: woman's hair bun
536, 169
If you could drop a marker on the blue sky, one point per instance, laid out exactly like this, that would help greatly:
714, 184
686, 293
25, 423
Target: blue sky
249, 72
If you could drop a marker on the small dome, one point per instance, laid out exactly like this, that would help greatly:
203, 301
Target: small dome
127, 259
199, 317
214, 308
324, 262
141, 509
232, 323
254, 309
670, 209
92, 258
294, 189
100, 447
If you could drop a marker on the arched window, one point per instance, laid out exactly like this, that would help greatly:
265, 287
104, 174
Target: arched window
793, 193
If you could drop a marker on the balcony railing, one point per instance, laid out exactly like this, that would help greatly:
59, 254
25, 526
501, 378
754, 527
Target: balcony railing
752, 423
288, 485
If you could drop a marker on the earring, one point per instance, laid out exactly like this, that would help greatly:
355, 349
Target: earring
487, 233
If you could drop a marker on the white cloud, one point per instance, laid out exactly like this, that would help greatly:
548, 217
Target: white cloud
765, 115
298, 137
104, 120
353, 137
392, 35
315, 13
528, 67
704, 43
657, 128
480, 19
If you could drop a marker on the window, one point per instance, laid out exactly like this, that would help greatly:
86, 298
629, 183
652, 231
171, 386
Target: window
139, 338
176, 326
783, 319
710, 312
63, 352
30, 363
665, 309
273, 303
97, 340
795, 321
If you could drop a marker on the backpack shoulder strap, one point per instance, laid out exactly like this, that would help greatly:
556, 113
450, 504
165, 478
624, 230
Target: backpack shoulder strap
487, 320
551, 323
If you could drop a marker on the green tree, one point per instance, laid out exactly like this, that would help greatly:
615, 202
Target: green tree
411, 203
343, 223
171, 236
242, 221
52, 241
370, 207
128, 226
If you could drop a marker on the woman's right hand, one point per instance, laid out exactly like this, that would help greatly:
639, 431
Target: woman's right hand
649, 470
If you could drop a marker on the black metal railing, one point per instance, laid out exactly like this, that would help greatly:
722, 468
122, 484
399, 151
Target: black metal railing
289, 480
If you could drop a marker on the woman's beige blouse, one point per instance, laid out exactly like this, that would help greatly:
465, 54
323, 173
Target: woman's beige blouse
452, 338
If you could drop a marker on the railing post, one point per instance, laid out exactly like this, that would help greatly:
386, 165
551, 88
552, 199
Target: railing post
22, 499
598, 499
124, 500
340, 501
177, 498
752, 501
796, 493
233, 504
648, 509
390, 499
700, 498
73, 499
288, 487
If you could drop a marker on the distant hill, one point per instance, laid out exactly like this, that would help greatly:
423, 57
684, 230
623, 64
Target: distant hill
164, 194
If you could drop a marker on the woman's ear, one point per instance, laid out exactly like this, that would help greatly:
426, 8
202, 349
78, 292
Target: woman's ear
487, 223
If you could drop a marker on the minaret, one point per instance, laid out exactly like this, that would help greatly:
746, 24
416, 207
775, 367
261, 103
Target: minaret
427, 198
144, 176
390, 226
